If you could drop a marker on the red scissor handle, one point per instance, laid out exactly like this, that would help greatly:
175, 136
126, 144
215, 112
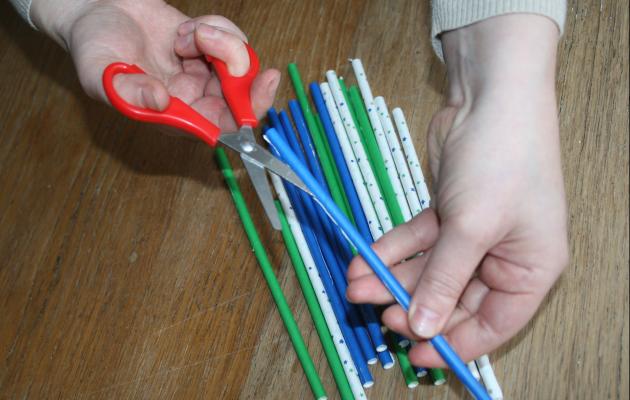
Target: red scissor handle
178, 114
237, 89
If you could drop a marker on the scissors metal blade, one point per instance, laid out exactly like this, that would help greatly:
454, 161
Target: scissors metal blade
258, 176
243, 142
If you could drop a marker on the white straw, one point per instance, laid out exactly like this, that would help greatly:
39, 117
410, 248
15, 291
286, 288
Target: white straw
472, 367
412, 158
489, 379
311, 269
348, 154
361, 157
383, 146
399, 158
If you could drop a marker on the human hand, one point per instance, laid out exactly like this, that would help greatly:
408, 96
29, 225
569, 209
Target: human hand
495, 158
165, 43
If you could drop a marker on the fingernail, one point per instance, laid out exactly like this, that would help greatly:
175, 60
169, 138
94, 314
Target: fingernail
186, 28
183, 41
208, 32
273, 85
423, 321
149, 99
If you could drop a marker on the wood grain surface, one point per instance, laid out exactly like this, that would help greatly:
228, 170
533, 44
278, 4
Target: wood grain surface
124, 270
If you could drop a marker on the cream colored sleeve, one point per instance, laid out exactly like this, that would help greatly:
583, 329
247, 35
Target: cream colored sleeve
452, 14
23, 8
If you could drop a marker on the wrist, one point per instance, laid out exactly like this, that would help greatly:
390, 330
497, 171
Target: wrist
510, 58
55, 18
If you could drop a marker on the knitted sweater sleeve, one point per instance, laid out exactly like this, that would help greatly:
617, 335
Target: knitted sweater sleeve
452, 14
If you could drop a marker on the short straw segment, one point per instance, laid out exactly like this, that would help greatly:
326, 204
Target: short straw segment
313, 306
379, 268
270, 278
412, 158
318, 287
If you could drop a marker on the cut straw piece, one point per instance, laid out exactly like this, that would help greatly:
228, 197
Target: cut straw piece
355, 173
412, 158
489, 379
267, 271
359, 152
381, 140
313, 306
399, 159
341, 345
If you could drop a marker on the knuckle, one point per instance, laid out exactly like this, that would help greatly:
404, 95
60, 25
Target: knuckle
444, 285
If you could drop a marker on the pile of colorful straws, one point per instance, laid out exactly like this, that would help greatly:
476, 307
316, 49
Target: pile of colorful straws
372, 172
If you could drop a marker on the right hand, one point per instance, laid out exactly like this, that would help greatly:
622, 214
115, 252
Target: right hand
165, 43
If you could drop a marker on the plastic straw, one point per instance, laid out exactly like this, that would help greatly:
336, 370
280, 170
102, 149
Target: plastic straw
270, 278
420, 372
488, 377
326, 307
377, 265
412, 158
399, 159
359, 152
357, 178
386, 184
379, 135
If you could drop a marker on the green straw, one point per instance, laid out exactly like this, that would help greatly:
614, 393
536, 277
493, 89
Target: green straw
437, 376
325, 161
272, 281
376, 159
344, 90
403, 360
316, 312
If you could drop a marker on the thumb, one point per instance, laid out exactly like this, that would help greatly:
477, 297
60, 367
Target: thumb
454, 258
142, 90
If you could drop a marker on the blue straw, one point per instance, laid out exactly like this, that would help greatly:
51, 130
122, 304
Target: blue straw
298, 198
340, 161
389, 281
313, 162
386, 359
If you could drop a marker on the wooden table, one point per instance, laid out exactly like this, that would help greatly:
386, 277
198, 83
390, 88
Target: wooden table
124, 270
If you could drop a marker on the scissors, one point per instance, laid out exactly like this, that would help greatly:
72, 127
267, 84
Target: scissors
236, 91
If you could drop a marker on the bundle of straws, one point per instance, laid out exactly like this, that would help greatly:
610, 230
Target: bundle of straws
371, 172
